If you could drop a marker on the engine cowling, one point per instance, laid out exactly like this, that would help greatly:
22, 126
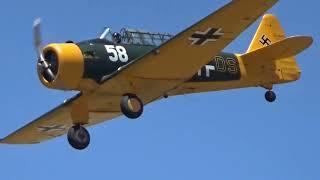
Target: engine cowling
67, 65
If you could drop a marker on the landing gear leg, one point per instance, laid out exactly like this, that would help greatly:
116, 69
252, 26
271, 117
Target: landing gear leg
270, 96
131, 106
78, 137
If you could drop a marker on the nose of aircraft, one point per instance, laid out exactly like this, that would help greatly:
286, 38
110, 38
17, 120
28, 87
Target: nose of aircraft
65, 62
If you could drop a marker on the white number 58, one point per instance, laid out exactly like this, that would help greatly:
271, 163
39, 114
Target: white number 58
117, 53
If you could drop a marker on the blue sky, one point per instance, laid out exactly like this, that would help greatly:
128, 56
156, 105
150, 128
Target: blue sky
223, 135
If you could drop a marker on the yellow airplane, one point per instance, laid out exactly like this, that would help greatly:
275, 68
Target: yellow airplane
120, 72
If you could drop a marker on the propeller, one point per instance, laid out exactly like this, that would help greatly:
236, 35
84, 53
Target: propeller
43, 64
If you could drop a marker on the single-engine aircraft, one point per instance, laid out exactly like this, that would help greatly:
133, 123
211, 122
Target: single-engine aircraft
120, 72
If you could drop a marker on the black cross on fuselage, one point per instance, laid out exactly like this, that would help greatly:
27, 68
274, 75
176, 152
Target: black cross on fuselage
201, 38
265, 40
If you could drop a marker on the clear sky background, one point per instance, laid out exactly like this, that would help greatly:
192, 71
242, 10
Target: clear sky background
225, 135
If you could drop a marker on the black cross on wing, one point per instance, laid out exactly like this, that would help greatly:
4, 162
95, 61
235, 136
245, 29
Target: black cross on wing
51, 128
210, 35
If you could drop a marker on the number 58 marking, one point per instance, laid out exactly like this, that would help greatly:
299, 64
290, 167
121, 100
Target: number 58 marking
117, 53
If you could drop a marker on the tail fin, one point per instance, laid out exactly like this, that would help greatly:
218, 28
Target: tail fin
269, 32
270, 57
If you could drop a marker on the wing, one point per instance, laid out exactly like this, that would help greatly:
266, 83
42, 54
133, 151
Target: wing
57, 122
161, 70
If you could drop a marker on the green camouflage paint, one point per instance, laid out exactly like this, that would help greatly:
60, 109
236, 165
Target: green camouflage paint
223, 67
98, 62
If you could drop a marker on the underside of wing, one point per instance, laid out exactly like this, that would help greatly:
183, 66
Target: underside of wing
57, 121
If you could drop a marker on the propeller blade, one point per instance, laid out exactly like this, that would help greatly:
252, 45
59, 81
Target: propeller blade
43, 65
37, 35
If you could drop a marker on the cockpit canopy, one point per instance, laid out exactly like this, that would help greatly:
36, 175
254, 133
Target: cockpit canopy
134, 36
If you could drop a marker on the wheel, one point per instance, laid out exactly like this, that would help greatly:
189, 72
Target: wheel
131, 106
270, 96
78, 137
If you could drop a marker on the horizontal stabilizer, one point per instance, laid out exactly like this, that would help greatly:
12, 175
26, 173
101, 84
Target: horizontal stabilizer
282, 49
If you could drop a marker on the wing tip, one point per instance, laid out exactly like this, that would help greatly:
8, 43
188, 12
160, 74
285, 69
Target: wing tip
304, 41
2, 141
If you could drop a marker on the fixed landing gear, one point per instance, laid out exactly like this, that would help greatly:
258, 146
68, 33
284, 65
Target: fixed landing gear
131, 106
78, 137
270, 96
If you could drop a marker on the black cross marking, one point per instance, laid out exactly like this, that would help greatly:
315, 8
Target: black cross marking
210, 35
51, 128
265, 40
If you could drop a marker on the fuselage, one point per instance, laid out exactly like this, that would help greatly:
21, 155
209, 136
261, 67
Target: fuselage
102, 58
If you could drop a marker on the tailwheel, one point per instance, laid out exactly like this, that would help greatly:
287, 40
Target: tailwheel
270, 96
78, 137
131, 106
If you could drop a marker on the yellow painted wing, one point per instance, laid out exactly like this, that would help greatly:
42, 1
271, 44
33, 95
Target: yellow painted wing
57, 122
158, 72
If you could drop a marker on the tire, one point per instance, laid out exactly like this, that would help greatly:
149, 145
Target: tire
127, 103
78, 137
270, 96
